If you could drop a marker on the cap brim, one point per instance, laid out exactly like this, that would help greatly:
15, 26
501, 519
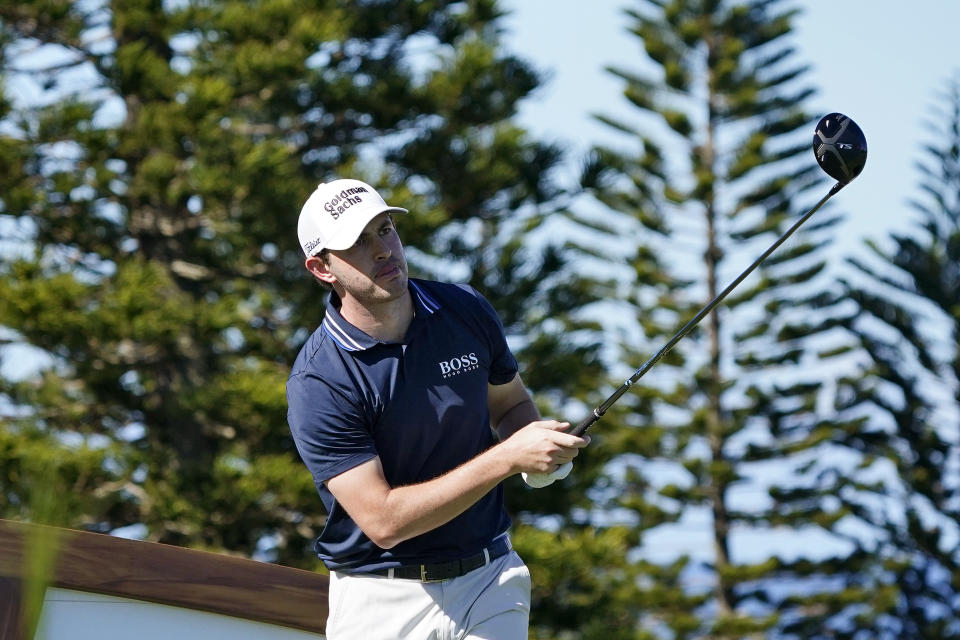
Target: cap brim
349, 234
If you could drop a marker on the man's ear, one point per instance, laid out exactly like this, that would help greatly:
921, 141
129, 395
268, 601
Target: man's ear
318, 267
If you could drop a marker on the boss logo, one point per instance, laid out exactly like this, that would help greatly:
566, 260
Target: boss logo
460, 364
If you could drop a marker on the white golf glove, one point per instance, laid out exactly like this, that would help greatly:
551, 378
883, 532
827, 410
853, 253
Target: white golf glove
538, 480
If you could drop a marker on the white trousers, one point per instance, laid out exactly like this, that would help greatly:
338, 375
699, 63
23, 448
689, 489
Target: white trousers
492, 603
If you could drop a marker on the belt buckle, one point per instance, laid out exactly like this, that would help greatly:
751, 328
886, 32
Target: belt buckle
439, 573
426, 577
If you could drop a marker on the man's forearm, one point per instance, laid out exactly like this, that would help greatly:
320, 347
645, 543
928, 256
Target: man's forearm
422, 507
390, 515
517, 417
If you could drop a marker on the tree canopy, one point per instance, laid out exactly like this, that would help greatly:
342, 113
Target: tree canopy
155, 156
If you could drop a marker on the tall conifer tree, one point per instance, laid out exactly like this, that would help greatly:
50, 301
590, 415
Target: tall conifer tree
728, 462
908, 321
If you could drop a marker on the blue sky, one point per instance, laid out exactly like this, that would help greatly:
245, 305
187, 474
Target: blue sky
880, 62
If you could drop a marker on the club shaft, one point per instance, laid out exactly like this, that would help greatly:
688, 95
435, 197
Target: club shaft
639, 373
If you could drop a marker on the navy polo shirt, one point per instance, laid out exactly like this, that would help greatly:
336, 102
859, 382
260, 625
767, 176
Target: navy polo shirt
420, 405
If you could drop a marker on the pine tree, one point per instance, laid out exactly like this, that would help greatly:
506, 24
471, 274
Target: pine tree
153, 179
730, 430
908, 320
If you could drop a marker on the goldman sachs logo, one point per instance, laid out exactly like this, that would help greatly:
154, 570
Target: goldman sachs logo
459, 364
342, 201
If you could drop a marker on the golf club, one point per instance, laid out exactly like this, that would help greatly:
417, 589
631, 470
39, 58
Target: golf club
841, 151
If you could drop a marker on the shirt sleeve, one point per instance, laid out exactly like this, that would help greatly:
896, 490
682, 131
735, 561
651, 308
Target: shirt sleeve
503, 365
328, 427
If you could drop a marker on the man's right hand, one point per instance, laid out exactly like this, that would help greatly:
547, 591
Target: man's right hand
542, 447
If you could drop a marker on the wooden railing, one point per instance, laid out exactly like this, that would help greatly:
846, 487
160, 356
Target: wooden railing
162, 574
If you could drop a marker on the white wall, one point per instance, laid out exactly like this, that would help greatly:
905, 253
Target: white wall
75, 615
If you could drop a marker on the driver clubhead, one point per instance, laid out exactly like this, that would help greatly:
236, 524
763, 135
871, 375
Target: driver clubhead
840, 147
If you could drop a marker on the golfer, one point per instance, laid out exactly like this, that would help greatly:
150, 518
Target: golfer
406, 406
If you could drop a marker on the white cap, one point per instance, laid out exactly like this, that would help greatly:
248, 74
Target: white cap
336, 213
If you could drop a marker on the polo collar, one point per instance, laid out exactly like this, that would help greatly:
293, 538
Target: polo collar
350, 338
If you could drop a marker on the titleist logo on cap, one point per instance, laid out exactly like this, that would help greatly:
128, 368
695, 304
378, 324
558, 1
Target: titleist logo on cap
343, 201
309, 246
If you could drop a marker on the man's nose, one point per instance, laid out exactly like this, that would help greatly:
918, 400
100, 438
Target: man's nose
381, 248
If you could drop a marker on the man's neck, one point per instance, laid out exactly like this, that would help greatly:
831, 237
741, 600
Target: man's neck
386, 321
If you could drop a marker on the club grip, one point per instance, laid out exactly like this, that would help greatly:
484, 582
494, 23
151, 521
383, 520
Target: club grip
581, 428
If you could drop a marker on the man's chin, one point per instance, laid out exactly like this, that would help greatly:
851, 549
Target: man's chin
392, 287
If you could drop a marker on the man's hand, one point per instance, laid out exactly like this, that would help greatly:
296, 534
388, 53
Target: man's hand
542, 447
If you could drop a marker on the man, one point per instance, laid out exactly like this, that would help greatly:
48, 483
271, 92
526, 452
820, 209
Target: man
406, 406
